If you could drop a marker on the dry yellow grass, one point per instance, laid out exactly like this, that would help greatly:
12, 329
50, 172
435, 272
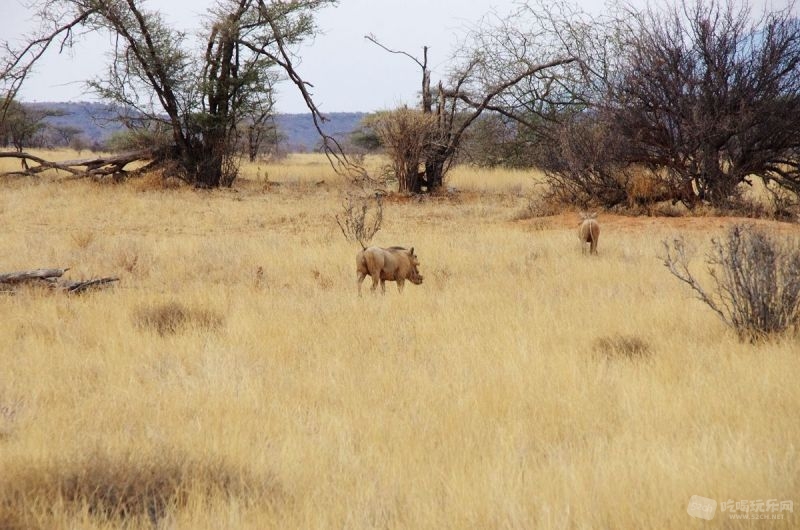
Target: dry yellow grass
235, 380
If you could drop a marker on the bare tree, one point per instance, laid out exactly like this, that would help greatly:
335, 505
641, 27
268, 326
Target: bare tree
712, 95
495, 58
361, 218
701, 95
201, 99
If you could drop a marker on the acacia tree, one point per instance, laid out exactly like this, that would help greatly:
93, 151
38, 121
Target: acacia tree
22, 126
201, 98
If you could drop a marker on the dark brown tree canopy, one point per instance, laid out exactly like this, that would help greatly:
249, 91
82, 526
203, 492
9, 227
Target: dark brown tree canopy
713, 95
703, 94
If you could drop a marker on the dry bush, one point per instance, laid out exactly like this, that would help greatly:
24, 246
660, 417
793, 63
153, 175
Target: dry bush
621, 346
582, 164
361, 218
406, 134
756, 280
537, 206
785, 203
645, 187
172, 317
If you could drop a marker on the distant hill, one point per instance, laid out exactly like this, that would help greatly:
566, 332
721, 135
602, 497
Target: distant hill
97, 122
301, 135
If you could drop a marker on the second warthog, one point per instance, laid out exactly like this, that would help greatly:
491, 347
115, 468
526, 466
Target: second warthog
589, 232
396, 264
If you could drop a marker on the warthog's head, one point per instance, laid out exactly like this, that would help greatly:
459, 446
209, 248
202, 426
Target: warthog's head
413, 274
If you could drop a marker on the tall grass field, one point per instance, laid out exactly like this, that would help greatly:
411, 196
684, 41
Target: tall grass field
233, 378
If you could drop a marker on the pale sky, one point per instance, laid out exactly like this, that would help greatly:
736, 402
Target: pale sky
348, 72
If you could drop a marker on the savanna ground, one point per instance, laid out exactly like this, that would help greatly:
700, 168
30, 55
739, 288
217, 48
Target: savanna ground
234, 379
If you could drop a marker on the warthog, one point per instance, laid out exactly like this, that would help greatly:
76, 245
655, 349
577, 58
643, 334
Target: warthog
589, 232
394, 264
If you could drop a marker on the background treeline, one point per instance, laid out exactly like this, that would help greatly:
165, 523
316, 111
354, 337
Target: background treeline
93, 126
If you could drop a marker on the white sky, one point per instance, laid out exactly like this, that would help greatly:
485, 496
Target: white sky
348, 72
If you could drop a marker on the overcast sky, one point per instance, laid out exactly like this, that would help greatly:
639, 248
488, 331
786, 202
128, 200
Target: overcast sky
348, 72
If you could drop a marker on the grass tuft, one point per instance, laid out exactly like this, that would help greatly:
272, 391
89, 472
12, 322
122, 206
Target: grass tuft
173, 317
622, 347
135, 490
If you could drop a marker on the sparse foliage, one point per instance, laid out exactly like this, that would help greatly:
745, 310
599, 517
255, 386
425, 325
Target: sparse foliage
755, 280
201, 99
361, 218
23, 126
154, 136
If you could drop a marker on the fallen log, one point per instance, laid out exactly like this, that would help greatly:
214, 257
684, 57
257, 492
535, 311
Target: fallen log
99, 166
47, 275
50, 278
75, 287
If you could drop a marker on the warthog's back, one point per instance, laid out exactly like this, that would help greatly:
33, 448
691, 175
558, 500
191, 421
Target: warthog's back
388, 264
389, 261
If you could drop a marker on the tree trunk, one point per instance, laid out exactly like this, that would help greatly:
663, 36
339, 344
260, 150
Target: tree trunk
253, 141
434, 172
427, 98
408, 180
208, 159
209, 170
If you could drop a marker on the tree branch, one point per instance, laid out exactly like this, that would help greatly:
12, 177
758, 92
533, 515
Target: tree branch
16, 70
375, 41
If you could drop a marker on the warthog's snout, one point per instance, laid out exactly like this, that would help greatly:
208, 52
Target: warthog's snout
416, 280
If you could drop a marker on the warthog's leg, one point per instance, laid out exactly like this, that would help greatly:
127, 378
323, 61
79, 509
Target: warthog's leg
383, 286
360, 280
400, 284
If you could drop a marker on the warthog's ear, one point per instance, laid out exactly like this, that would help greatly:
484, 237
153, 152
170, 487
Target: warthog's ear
411, 251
